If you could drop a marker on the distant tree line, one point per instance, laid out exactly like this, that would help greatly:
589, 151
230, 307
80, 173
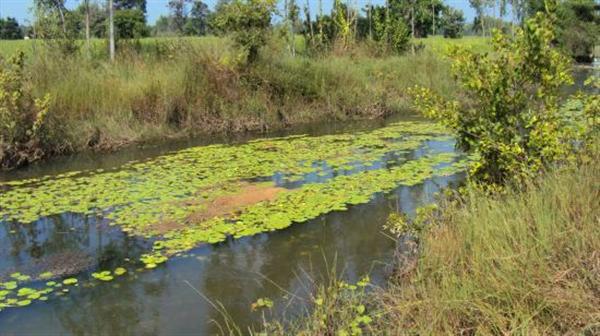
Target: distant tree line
390, 26
578, 21
10, 29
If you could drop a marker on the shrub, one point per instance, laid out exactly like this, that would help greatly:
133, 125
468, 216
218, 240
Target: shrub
248, 22
22, 117
512, 118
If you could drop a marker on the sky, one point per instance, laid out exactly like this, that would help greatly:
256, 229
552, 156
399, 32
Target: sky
20, 9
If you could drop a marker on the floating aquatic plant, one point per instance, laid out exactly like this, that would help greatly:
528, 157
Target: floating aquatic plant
328, 173
70, 281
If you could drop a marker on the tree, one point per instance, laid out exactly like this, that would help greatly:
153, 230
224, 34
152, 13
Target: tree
390, 30
512, 120
247, 21
579, 28
130, 4
10, 29
420, 15
47, 8
130, 23
292, 14
56, 25
479, 21
198, 21
178, 15
86, 5
453, 22
96, 15
344, 19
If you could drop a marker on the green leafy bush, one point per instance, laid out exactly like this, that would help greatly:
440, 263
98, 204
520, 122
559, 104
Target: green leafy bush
248, 22
22, 117
512, 116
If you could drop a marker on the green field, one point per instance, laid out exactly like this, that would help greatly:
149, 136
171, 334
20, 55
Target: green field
441, 44
99, 46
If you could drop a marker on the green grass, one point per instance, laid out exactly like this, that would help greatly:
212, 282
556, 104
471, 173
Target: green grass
440, 44
524, 263
99, 46
168, 87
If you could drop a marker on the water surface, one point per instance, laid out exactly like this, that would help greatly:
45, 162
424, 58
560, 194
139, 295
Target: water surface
280, 265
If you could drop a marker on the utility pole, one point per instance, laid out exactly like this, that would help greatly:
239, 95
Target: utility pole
111, 30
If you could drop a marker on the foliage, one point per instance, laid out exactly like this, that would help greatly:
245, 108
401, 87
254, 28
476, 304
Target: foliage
130, 23
22, 116
453, 22
343, 18
131, 4
512, 120
390, 30
197, 23
178, 14
340, 309
10, 29
248, 22
401, 225
578, 28
424, 12
262, 303
56, 26
330, 173
521, 262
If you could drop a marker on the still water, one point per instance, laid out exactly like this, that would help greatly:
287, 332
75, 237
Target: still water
178, 297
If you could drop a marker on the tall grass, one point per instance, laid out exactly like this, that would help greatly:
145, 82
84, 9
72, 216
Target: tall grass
171, 88
526, 263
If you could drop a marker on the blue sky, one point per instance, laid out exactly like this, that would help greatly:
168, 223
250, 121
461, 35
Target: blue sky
21, 8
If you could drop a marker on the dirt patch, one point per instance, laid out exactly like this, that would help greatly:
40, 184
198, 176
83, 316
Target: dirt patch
223, 206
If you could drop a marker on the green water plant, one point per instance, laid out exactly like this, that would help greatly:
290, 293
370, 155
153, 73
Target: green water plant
262, 303
103, 276
70, 281
330, 173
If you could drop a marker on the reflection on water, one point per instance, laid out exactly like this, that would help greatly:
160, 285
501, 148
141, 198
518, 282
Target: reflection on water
580, 76
279, 265
234, 273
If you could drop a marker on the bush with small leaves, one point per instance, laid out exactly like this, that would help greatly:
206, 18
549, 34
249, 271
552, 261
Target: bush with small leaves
512, 118
22, 117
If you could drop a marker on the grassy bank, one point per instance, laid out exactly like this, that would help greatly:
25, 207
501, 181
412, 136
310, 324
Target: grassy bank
523, 263
161, 88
